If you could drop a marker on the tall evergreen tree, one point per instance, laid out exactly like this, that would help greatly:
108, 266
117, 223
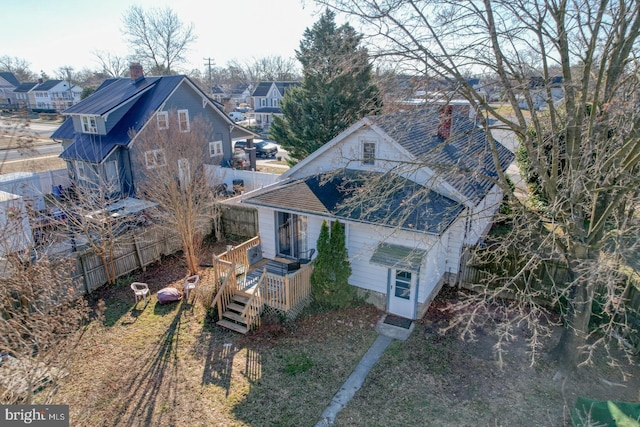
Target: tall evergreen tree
336, 91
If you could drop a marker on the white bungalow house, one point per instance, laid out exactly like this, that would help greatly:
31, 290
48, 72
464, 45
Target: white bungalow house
412, 189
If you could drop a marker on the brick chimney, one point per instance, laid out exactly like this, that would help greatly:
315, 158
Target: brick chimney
445, 118
136, 72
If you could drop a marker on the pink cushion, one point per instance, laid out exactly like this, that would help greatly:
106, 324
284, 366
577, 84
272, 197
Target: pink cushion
166, 295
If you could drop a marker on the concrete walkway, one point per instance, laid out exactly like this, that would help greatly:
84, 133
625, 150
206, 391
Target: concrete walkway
386, 334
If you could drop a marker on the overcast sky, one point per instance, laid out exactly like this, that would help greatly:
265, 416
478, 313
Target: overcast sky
52, 34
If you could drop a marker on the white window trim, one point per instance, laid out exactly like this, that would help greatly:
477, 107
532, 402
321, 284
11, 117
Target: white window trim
186, 116
154, 159
81, 171
366, 161
162, 118
86, 124
215, 149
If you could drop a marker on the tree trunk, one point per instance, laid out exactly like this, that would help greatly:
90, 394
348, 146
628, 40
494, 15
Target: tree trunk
576, 328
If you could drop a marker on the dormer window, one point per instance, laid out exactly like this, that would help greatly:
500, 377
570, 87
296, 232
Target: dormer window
89, 124
183, 120
163, 120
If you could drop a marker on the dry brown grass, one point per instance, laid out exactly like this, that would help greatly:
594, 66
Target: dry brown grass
170, 365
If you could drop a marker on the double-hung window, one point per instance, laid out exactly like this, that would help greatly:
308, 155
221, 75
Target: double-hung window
163, 120
183, 120
154, 158
368, 152
215, 148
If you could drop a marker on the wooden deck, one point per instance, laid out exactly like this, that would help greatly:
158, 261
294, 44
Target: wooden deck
245, 290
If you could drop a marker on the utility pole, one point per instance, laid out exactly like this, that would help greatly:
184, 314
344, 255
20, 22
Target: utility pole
68, 103
209, 63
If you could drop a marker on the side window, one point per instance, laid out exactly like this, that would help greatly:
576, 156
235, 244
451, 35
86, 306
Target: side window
154, 159
368, 153
215, 148
163, 120
81, 171
183, 120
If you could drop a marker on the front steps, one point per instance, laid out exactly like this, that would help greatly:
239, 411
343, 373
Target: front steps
232, 317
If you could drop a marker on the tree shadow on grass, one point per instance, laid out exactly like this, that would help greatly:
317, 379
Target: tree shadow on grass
153, 387
221, 352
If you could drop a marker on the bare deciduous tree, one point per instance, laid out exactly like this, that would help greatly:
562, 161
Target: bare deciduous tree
176, 177
112, 65
582, 150
158, 38
41, 312
19, 67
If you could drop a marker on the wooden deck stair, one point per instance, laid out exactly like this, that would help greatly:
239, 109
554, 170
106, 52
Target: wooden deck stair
232, 318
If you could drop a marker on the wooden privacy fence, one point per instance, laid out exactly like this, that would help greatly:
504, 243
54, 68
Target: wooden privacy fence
474, 277
240, 221
130, 252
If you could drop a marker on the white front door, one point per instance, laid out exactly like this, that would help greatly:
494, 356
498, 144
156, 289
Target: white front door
402, 293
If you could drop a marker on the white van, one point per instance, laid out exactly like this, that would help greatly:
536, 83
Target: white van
237, 116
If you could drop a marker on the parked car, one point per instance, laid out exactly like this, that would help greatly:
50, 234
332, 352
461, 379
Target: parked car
264, 148
237, 116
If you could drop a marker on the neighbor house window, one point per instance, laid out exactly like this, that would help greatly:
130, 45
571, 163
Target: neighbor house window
163, 120
111, 175
215, 148
154, 158
82, 171
183, 120
89, 124
368, 152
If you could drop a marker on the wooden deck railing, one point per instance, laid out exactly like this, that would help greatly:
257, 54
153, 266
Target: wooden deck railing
225, 271
238, 254
287, 292
283, 292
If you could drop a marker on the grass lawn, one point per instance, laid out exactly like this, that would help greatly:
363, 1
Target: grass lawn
166, 365
170, 365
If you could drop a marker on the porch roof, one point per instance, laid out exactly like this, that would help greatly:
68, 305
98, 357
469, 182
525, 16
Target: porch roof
403, 203
399, 257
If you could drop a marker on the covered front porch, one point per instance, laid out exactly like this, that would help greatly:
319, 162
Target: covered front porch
249, 284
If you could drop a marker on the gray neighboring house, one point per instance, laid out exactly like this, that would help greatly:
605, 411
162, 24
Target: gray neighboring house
56, 95
266, 101
96, 138
21, 94
8, 83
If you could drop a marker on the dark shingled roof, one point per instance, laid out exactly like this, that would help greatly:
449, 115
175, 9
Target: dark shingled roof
49, 84
263, 87
10, 78
25, 87
464, 160
273, 110
148, 94
414, 208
